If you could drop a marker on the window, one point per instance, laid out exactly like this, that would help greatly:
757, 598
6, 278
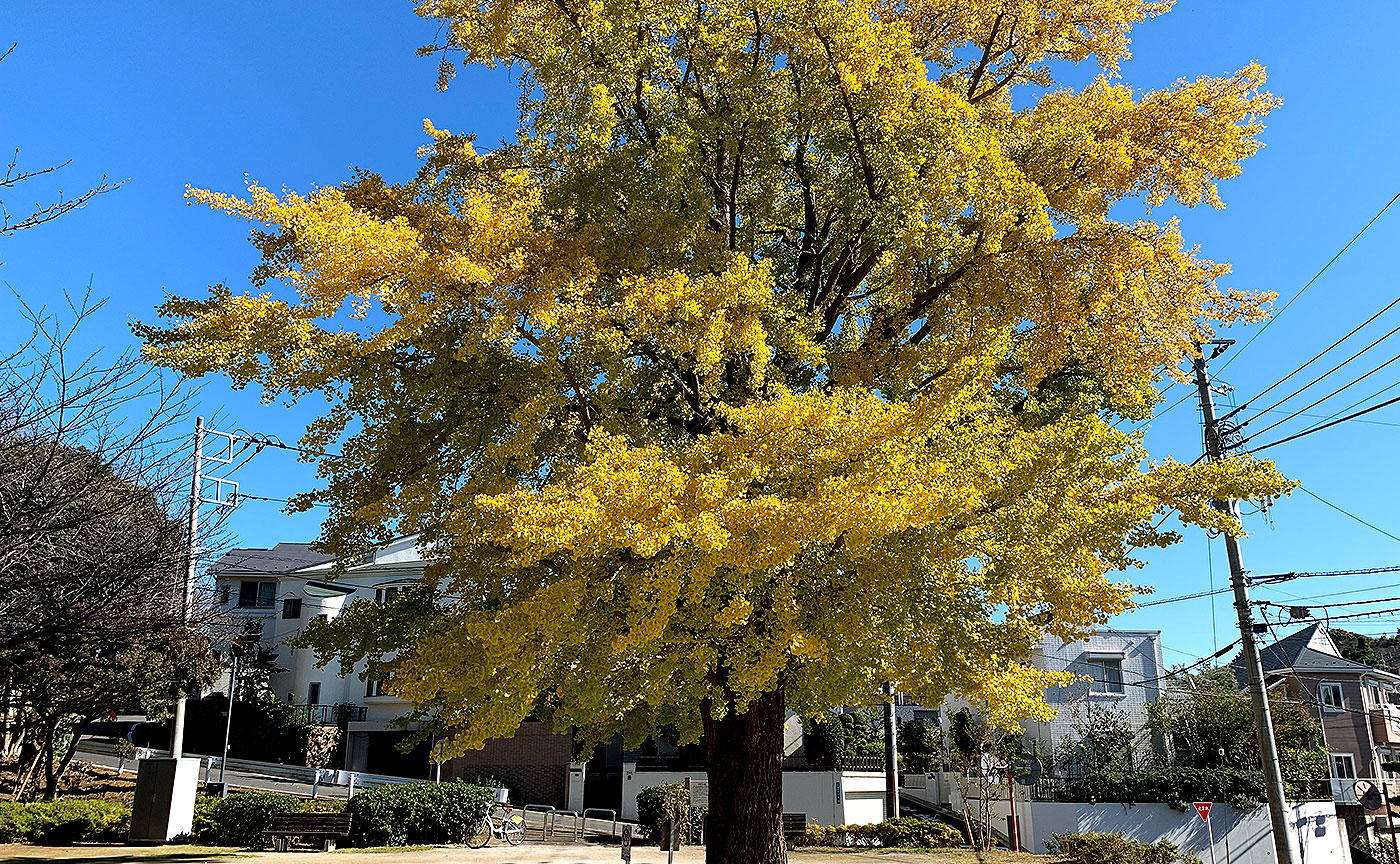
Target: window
313, 693
374, 688
257, 595
1343, 766
291, 607
386, 595
1107, 675
1375, 690
1330, 695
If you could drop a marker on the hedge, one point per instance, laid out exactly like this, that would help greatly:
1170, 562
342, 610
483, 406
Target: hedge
418, 813
241, 818
1093, 848
1176, 786
58, 823
906, 831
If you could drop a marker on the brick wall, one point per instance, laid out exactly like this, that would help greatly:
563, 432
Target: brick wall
534, 763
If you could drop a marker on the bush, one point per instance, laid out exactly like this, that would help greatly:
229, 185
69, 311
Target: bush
1093, 848
241, 818
1176, 786
657, 804
58, 823
906, 831
418, 813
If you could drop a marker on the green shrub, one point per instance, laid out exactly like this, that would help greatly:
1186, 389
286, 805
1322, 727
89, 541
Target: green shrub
657, 804
906, 831
1093, 848
417, 814
919, 833
58, 823
241, 818
1174, 786
205, 827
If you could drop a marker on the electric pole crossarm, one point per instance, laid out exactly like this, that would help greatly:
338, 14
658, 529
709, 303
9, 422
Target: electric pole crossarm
1285, 849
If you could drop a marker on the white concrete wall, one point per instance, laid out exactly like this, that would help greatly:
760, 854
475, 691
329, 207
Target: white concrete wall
1245, 835
827, 797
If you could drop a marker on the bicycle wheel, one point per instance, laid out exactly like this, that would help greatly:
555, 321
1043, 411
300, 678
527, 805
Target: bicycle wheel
481, 836
514, 829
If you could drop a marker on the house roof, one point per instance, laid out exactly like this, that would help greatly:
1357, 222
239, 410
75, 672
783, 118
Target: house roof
1308, 650
282, 558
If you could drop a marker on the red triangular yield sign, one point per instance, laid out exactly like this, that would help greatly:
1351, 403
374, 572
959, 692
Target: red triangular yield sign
1203, 808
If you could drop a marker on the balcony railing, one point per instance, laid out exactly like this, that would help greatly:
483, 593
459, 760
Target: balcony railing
1385, 724
330, 715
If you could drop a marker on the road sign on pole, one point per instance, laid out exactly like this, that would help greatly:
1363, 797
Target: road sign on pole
1203, 808
626, 842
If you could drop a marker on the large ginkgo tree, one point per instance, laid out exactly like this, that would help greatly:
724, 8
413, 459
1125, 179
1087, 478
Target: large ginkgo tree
779, 356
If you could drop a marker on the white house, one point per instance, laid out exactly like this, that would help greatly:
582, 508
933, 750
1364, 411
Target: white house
277, 592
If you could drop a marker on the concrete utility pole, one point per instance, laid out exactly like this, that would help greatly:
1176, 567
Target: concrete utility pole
1285, 849
177, 735
891, 756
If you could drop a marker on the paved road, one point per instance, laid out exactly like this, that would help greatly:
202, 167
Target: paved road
98, 753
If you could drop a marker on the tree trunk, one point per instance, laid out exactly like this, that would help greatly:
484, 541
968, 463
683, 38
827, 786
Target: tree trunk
51, 791
744, 761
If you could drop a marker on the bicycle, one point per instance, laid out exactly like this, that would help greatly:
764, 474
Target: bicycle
510, 827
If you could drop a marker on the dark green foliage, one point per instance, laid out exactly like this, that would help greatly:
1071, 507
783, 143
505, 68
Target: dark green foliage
1207, 714
59, 823
418, 813
241, 818
1378, 651
1177, 786
919, 746
263, 729
657, 804
863, 734
908, 832
1093, 848
825, 742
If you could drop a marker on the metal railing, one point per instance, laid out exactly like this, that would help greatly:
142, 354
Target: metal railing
330, 715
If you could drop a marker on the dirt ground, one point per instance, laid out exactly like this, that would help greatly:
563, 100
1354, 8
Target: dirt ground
81, 781
530, 853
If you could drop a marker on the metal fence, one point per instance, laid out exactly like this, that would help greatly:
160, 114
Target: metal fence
330, 715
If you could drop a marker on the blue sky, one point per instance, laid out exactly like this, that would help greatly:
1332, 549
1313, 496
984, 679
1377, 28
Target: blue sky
298, 94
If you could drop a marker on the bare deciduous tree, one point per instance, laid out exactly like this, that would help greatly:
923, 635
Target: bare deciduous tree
38, 213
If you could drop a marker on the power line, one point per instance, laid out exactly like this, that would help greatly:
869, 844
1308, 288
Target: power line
1363, 399
1318, 356
1347, 512
1310, 430
1309, 283
1315, 403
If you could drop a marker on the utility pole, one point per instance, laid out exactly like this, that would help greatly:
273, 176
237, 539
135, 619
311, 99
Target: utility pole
1285, 850
177, 735
228, 723
891, 756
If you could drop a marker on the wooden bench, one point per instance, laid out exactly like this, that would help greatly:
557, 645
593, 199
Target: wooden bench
794, 825
327, 826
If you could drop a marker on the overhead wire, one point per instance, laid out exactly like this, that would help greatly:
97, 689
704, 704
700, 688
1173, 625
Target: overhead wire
1310, 430
1309, 283
1318, 356
1348, 513
1315, 403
